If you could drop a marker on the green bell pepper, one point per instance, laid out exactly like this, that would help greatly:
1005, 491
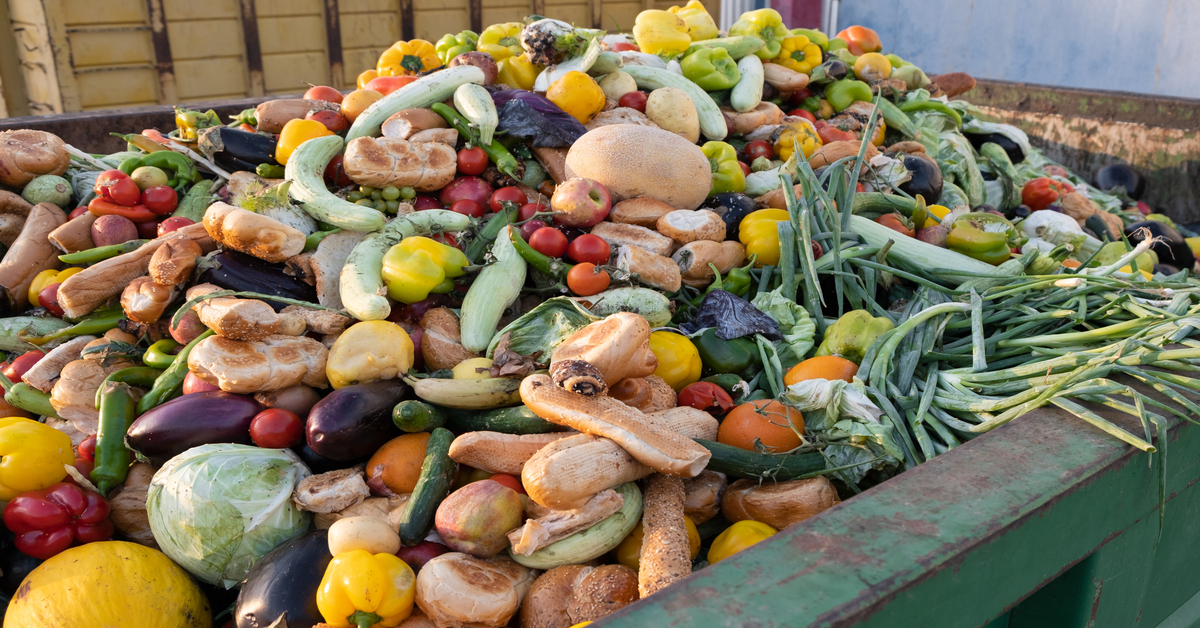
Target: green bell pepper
985, 237
815, 36
765, 24
853, 334
450, 46
837, 44
841, 94
738, 356
896, 61
711, 68
727, 175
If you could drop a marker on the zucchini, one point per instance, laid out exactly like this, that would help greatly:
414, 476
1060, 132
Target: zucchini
361, 281
738, 47
746, 95
607, 63
425, 91
593, 542
515, 420
652, 305
417, 416
306, 169
475, 104
741, 463
433, 485
712, 121
496, 287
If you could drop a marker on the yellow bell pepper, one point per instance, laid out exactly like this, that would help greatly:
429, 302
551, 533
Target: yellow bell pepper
48, 278
360, 589
765, 24
408, 58
32, 456
629, 552
366, 76
295, 133
799, 54
367, 352
577, 94
700, 24
678, 360
661, 33
420, 265
938, 210
758, 231
518, 71
797, 131
501, 41
738, 537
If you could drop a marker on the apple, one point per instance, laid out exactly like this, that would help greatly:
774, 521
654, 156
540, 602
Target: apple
421, 553
580, 202
193, 384
477, 518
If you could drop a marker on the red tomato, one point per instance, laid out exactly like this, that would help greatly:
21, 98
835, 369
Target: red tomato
585, 280
549, 241
759, 148
472, 161
509, 194
623, 46
505, 479
160, 199
531, 227
529, 209
116, 187
799, 97
589, 248
745, 168
803, 113
48, 298
147, 230
388, 84
174, 223
1052, 170
426, 202
333, 120
633, 100
21, 365
323, 92
445, 238
335, 173
468, 207
77, 212
829, 133
87, 448
706, 396
276, 428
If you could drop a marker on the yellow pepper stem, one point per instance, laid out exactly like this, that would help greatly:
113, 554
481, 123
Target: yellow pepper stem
363, 619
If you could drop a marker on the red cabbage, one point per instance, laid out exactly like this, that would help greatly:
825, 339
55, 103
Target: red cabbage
532, 116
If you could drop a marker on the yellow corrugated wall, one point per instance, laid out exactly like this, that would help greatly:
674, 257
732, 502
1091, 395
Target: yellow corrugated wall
98, 54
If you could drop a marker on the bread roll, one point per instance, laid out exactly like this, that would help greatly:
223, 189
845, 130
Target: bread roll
274, 363
456, 590
778, 504
423, 166
702, 496
618, 234
145, 300
602, 591
546, 604
652, 270
30, 254
234, 318
174, 261
618, 346
251, 233
26, 154
642, 211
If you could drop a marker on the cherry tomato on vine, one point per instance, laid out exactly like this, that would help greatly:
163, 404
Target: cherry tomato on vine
589, 248
472, 161
468, 207
745, 168
510, 194
276, 428
549, 241
706, 396
529, 209
759, 148
585, 279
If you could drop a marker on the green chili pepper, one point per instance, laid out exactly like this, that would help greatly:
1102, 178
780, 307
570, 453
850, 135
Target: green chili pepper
853, 334
101, 253
269, 171
504, 160
131, 164
117, 411
178, 164
158, 355
929, 105
738, 356
95, 324
140, 376
552, 266
488, 233
985, 237
172, 378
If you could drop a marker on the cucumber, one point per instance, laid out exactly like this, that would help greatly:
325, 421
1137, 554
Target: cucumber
729, 382
475, 104
496, 287
306, 169
425, 91
748, 92
651, 304
515, 420
593, 542
607, 63
433, 485
738, 47
712, 121
741, 463
417, 416
361, 281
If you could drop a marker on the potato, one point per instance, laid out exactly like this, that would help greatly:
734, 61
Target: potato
365, 533
617, 84
671, 109
113, 230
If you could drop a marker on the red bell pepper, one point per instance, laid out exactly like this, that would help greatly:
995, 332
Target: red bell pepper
1043, 192
831, 133
137, 213
49, 521
860, 40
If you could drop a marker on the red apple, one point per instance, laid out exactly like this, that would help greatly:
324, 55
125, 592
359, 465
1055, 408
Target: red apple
421, 553
477, 518
580, 202
193, 384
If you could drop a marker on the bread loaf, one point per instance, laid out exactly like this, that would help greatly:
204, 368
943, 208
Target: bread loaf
251, 233
237, 319
456, 590
27, 154
144, 300
423, 166
273, 363
173, 262
30, 254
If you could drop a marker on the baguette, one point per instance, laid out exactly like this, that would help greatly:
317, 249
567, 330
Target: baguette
30, 254
74, 235
237, 319
274, 363
251, 233
618, 346
173, 262
653, 270
495, 452
666, 556
618, 234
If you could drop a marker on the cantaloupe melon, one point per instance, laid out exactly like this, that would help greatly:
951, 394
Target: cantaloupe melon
633, 160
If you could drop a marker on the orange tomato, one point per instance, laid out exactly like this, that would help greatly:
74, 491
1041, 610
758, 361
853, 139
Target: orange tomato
822, 367
401, 458
764, 421
388, 84
860, 40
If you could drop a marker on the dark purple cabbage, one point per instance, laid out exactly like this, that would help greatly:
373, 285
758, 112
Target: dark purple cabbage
533, 117
732, 317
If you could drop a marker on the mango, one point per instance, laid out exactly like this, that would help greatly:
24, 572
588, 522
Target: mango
477, 518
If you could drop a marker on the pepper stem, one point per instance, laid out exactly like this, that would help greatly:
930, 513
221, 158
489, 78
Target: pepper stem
364, 619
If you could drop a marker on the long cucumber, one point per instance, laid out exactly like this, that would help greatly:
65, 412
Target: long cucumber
361, 281
514, 420
425, 91
433, 485
712, 121
306, 170
748, 92
496, 287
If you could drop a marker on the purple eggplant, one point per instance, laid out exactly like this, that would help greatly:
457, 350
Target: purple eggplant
190, 421
354, 421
